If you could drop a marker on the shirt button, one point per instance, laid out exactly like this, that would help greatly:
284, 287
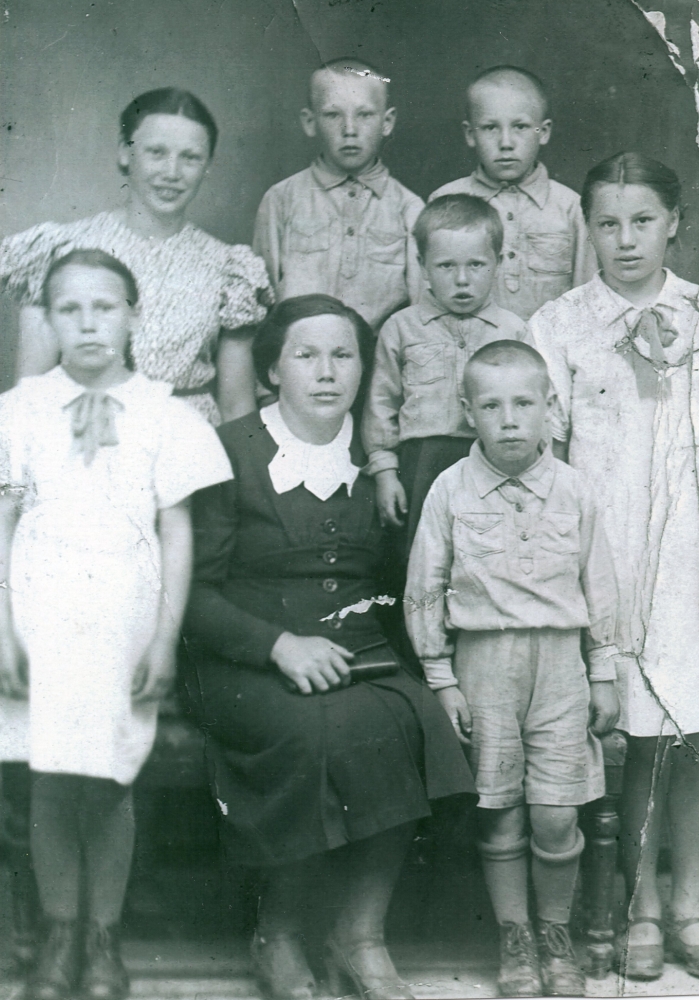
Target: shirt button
524, 536
519, 507
335, 623
350, 231
330, 526
352, 193
462, 344
330, 557
330, 585
511, 254
510, 216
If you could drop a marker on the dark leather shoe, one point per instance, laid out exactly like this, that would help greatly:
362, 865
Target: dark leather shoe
59, 963
281, 967
642, 961
561, 976
687, 954
519, 962
104, 977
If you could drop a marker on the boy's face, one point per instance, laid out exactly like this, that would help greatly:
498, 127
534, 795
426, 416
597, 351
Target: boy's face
460, 267
506, 128
350, 119
509, 407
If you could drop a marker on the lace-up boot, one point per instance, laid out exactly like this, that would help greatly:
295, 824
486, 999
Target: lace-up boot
519, 962
560, 973
105, 977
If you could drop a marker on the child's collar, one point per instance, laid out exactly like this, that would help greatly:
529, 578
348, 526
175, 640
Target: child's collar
535, 186
375, 177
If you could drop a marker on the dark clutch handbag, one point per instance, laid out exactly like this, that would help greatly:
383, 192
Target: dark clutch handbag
376, 660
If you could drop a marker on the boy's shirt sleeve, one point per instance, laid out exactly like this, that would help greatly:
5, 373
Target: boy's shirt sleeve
413, 274
599, 585
585, 259
380, 430
268, 235
425, 600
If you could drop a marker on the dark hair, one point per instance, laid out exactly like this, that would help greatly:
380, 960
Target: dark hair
506, 352
633, 168
505, 71
167, 101
271, 334
458, 211
95, 259
349, 65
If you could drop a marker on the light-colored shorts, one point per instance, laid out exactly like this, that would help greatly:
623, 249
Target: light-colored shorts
529, 698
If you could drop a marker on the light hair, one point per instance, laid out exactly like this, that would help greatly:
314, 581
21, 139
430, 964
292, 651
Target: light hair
500, 74
506, 353
458, 211
349, 66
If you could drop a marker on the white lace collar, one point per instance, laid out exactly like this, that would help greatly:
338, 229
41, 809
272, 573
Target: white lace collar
322, 468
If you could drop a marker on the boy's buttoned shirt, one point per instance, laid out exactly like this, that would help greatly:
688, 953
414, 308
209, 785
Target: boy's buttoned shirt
350, 237
546, 250
416, 387
496, 552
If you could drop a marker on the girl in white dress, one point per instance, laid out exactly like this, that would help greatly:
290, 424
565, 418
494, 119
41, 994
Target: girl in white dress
97, 464
623, 354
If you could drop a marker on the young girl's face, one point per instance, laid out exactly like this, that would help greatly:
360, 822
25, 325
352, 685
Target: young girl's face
91, 318
630, 228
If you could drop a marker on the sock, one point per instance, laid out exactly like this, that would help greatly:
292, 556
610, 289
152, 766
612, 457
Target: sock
505, 870
55, 843
108, 828
554, 877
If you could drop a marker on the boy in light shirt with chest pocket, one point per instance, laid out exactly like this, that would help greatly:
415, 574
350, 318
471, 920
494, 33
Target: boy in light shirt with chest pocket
546, 250
342, 227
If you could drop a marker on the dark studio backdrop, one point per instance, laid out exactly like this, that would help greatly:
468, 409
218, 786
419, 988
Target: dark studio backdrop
68, 67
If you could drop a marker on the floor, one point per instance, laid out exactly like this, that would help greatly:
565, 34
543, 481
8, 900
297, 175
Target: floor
202, 962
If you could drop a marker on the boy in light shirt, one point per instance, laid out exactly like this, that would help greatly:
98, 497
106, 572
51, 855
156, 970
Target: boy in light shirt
546, 249
343, 226
510, 563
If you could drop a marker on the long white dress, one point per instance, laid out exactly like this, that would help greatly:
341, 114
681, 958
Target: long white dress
633, 432
85, 565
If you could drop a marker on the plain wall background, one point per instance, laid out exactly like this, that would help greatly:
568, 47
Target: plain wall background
68, 67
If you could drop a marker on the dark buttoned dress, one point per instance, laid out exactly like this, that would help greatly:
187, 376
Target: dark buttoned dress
297, 775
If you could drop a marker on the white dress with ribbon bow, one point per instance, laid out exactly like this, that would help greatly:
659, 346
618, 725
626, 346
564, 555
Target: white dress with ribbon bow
93, 470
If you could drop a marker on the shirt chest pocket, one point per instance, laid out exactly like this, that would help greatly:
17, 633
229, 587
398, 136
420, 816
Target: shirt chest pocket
559, 533
308, 236
385, 246
550, 253
423, 364
479, 534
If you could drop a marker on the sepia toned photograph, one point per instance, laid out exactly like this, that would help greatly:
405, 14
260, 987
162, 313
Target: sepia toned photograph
349, 499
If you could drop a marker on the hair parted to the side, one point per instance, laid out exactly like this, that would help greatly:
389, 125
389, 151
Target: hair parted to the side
458, 211
507, 72
633, 168
97, 259
503, 353
167, 101
271, 334
350, 66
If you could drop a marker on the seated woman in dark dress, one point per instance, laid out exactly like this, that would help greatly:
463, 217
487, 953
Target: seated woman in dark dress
303, 761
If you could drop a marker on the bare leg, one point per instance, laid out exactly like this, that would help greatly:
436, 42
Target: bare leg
285, 898
107, 827
642, 807
55, 841
683, 811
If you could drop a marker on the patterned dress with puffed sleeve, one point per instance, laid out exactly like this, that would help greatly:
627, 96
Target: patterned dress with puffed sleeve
193, 289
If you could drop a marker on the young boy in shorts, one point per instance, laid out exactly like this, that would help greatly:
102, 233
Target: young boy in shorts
546, 249
414, 425
509, 564
343, 225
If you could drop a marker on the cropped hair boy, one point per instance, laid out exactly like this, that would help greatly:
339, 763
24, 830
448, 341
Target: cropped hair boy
510, 563
546, 250
343, 226
414, 425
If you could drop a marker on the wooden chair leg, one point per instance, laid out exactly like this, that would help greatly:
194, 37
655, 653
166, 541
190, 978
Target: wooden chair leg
601, 861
